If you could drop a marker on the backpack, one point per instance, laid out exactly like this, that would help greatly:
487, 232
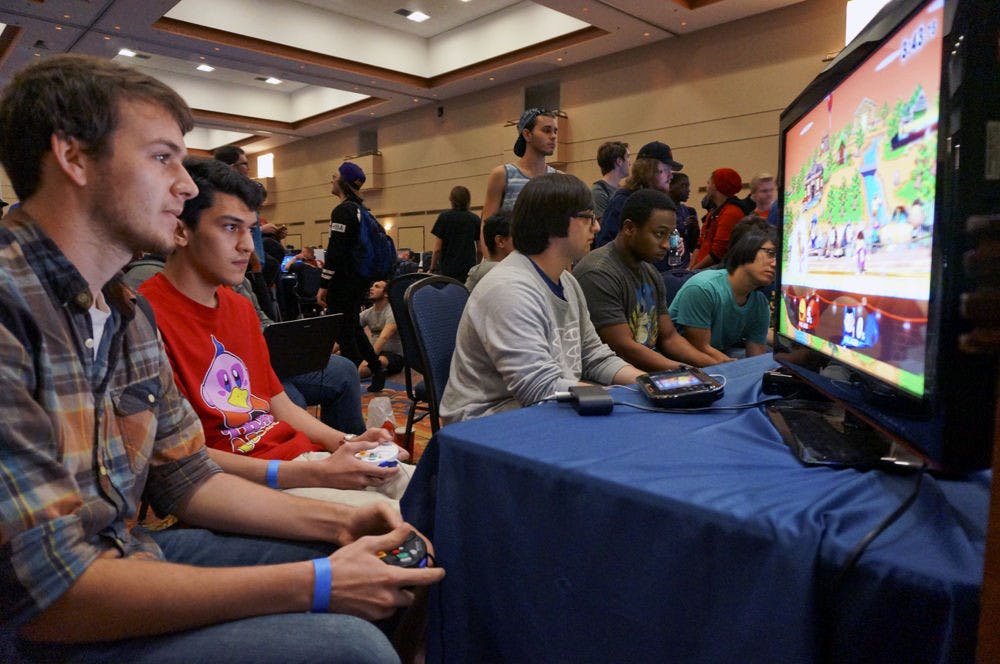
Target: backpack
376, 253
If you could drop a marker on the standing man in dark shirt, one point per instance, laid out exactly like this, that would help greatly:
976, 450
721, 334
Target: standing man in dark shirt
342, 290
687, 218
457, 237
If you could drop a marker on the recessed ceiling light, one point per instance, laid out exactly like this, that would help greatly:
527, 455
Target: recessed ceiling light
128, 53
272, 80
204, 67
416, 16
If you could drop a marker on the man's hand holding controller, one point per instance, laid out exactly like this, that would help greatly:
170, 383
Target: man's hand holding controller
362, 584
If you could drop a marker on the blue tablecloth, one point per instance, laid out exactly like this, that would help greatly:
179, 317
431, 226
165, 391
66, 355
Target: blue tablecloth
654, 537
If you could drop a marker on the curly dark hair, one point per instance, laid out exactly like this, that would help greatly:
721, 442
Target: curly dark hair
212, 175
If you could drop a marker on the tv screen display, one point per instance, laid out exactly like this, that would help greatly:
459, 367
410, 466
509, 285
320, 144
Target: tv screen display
859, 187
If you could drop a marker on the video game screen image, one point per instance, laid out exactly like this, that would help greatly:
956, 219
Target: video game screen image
859, 195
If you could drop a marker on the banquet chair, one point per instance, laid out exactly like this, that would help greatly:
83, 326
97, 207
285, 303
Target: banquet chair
415, 392
436, 305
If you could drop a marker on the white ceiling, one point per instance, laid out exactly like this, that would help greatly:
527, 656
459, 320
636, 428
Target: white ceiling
341, 62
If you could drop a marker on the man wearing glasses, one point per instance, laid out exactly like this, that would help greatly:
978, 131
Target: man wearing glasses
525, 333
717, 310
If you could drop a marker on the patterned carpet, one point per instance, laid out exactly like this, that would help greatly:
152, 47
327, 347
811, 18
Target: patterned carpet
396, 391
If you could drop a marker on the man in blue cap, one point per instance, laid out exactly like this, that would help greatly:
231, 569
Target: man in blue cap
536, 139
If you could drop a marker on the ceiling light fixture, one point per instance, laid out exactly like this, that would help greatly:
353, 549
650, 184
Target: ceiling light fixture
415, 16
272, 80
204, 67
127, 52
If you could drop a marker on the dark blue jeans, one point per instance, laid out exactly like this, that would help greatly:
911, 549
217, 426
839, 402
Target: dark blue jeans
290, 638
337, 391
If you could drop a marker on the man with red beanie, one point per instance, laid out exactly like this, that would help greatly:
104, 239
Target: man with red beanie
723, 186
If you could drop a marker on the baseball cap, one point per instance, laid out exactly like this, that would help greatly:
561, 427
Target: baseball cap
660, 152
352, 174
520, 145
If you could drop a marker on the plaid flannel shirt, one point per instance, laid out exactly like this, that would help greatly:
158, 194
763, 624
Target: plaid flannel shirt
80, 439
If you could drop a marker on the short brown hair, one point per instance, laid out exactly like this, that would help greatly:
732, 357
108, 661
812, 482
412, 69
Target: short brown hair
73, 96
608, 155
459, 198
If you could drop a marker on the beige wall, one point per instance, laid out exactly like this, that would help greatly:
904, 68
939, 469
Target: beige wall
715, 96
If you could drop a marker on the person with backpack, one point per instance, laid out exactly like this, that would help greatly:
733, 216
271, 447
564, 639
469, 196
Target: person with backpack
723, 185
355, 256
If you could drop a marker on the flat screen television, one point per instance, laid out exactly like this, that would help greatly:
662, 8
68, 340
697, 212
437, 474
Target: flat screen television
883, 158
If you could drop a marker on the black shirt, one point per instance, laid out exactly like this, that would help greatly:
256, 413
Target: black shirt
459, 233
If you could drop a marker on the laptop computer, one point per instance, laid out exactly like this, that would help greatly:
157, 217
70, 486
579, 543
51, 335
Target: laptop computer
303, 345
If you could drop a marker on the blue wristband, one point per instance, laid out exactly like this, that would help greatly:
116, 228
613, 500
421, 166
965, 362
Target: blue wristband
321, 585
272, 473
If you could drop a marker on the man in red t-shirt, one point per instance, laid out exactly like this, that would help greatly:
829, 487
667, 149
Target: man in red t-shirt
222, 366
723, 185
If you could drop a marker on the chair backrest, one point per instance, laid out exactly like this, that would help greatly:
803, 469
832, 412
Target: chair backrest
436, 305
396, 290
308, 279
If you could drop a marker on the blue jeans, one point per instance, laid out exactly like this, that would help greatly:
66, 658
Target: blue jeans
292, 637
337, 391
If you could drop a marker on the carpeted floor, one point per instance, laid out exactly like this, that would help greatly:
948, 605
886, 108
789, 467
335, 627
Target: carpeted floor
395, 389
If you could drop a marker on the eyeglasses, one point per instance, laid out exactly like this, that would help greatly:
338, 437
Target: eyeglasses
589, 216
772, 254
